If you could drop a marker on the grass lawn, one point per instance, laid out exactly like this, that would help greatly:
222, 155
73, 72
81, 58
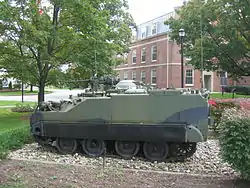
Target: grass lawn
14, 103
227, 96
11, 120
17, 93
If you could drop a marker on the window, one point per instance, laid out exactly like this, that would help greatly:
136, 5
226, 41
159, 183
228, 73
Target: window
154, 53
189, 77
143, 76
188, 58
223, 74
223, 79
143, 32
134, 56
153, 30
153, 76
143, 55
125, 59
133, 75
125, 75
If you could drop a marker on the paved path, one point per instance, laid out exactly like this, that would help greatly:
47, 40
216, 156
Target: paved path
57, 95
7, 106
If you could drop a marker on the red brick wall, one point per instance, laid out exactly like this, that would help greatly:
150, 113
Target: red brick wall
197, 79
175, 53
216, 82
172, 75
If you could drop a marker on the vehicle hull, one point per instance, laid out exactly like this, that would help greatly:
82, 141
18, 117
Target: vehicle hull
164, 117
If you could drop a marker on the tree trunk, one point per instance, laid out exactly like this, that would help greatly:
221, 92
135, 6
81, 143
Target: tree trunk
41, 92
31, 88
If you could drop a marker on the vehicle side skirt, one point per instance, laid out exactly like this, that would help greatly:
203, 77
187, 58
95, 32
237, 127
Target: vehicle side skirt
105, 131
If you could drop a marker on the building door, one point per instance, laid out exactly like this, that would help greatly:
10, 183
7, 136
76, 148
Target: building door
208, 82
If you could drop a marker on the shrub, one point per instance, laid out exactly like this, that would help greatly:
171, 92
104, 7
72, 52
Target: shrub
14, 139
242, 90
234, 139
218, 107
10, 85
17, 86
23, 108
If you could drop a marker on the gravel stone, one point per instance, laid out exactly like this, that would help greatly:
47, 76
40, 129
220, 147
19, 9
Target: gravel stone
206, 160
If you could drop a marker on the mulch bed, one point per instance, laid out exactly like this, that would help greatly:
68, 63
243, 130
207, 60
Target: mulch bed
34, 174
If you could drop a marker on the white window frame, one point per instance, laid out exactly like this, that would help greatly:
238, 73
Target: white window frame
152, 75
192, 71
134, 75
133, 56
125, 77
143, 49
152, 51
143, 76
154, 27
143, 33
188, 58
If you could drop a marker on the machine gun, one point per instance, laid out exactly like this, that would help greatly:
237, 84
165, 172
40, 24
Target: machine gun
97, 85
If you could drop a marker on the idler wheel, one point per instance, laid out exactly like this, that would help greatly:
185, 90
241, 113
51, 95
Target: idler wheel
182, 151
188, 149
127, 149
156, 151
66, 146
93, 148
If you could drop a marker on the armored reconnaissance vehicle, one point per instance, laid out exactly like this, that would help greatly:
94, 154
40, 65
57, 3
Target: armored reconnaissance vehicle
160, 124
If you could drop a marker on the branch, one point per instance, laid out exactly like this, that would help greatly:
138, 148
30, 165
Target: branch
51, 42
33, 52
247, 39
226, 54
33, 73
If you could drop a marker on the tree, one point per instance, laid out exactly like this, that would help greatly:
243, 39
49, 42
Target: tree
222, 28
36, 44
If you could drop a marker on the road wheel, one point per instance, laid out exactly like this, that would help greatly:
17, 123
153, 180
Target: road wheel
93, 148
156, 151
66, 146
127, 149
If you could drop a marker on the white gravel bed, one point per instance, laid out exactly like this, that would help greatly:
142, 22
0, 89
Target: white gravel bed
205, 161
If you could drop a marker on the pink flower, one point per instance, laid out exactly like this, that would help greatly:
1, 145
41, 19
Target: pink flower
212, 102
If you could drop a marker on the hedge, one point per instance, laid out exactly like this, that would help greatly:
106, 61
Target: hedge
234, 139
14, 139
242, 90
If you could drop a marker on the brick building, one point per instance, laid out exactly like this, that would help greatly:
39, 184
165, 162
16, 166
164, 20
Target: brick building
155, 59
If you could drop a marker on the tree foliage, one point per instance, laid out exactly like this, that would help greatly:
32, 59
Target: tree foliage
222, 28
84, 33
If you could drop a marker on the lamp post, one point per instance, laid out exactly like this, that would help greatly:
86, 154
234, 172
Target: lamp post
182, 34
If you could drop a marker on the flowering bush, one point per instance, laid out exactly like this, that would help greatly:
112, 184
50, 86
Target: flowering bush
219, 106
234, 139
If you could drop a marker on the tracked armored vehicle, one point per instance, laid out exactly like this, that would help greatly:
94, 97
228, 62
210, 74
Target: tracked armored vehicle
160, 124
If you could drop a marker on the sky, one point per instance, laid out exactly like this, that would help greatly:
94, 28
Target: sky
145, 10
